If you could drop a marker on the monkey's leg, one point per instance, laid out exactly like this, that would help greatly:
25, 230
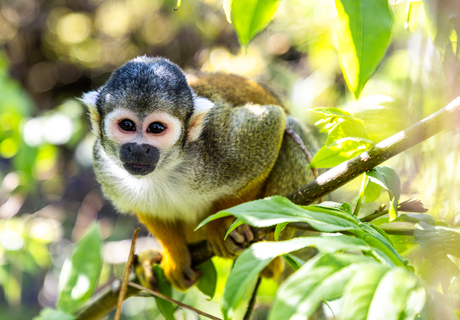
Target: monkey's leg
176, 260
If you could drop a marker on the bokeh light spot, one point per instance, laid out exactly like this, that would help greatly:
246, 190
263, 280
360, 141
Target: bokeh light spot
57, 129
74, 28
113, 19
8, 147
32, 132
11, 240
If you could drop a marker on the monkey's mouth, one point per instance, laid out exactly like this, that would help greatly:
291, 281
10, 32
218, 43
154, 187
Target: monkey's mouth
138, 168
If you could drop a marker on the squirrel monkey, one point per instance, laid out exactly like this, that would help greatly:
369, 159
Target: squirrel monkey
174, 149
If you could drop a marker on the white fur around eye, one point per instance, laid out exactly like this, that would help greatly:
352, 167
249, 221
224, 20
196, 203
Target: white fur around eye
113, 130
167, 138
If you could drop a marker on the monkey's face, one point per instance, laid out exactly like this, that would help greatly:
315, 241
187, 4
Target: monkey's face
144, 113
140, 142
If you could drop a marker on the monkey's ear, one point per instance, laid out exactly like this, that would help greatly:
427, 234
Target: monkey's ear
201, 107
89, 99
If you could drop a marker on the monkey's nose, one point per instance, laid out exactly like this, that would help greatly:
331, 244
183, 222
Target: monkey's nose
139, 153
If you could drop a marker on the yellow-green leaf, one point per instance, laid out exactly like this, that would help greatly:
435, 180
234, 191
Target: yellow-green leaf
363, 29
80, 272
251, 16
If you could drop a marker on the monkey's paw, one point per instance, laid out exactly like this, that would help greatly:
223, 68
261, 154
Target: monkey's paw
178, 271
237, 240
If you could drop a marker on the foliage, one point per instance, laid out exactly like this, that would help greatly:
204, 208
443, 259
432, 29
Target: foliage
80, 272
78, 278
380, 258
347, 137
384, 54
251, 17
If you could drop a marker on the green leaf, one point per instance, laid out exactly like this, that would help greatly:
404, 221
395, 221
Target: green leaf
227, 4
334, 208
363, 29
166, 308
207, 283
352, 129
382, 245
372, 191
333, 112
360, 291
393, 213
415, 218
279, 227
52, 314
399, 295
363, 141
347, 208
80, 272
274, 210
376, 177
387, 178
437, 243
321, 278
375, 230
330, 205
234, 225
295, 262
254, 259
382, 252
336, 154
252, 16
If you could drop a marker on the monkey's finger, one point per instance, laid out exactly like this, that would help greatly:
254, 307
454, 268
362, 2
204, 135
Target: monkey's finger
228, 248
233, 248
248, 232
242, 235
237, 236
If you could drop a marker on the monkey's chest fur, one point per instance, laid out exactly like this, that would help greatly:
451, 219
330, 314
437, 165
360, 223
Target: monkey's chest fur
176, 192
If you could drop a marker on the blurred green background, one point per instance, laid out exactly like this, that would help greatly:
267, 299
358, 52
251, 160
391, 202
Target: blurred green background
53, 51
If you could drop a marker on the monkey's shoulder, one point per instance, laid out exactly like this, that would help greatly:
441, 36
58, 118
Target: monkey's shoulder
231, 88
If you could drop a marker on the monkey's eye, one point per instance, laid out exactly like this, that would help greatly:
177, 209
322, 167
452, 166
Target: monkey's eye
156, 127
127, 125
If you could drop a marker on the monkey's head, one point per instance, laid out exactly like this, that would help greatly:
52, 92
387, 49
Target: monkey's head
145, 113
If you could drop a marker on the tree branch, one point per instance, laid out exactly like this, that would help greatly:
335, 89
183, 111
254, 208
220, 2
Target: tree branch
445, 119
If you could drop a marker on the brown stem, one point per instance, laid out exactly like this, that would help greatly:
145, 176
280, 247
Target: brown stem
126, 272
104, 301
180, 304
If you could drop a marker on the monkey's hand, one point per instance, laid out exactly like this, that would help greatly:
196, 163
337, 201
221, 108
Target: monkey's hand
143, 267
238, 240
177, 271
175, 260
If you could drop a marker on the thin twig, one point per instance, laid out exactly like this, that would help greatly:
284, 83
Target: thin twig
252, 302
126, 272
180, 304
374, 216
